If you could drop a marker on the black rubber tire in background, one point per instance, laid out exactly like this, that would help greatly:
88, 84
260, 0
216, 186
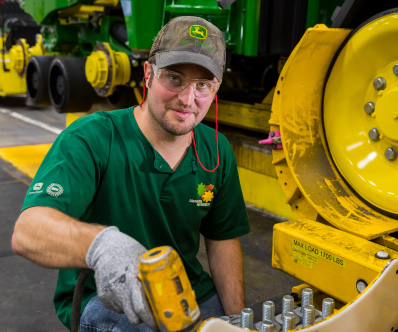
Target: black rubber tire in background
68, 87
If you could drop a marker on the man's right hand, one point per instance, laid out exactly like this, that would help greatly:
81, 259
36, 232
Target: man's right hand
114, 258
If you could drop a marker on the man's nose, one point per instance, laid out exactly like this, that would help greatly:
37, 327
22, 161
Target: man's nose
187, 95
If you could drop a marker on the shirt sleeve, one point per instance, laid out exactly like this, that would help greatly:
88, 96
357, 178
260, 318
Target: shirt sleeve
71, 172
227, 218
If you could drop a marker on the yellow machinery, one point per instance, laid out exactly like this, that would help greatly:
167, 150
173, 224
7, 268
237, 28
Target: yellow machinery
14, 63
335, 110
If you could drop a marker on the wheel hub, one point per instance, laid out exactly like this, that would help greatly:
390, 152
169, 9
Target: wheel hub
361, 113
386, 115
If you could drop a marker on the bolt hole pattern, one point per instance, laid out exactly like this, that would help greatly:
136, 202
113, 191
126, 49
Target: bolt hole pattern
285, 184
281, 78
278, 92
396, 272
299, 197
296, 207
280, 172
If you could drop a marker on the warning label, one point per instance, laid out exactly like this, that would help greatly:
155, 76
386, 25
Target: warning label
308, 255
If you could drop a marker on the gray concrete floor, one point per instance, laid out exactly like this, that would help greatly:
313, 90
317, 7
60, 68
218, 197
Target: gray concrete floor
27, 289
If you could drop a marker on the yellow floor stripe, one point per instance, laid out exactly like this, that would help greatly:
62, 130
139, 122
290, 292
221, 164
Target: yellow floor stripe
26, 159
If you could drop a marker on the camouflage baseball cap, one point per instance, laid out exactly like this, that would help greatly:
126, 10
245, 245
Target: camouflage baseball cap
190, 39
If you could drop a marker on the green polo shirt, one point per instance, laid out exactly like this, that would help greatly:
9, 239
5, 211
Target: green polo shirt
102, 169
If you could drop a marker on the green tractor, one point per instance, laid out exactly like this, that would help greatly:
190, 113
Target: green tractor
94, 50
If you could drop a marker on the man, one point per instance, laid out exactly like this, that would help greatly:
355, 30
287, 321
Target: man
117, 183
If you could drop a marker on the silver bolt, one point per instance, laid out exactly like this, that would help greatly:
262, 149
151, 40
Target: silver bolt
247, 318
361, 285
307, 296
395, 69
374, 134
267, 325
379, 83
308, 315
382, 254
269, 311
287, 304
289, 321
369, 107
327, 307
391, 153
225, 318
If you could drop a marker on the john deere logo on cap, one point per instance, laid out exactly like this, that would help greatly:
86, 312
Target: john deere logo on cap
197, 31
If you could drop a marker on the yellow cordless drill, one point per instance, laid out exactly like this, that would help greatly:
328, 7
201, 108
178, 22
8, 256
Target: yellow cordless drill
169, 291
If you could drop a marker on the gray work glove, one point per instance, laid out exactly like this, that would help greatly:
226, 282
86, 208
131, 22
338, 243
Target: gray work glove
114, 258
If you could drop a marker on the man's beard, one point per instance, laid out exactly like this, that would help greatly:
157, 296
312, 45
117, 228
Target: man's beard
169, 127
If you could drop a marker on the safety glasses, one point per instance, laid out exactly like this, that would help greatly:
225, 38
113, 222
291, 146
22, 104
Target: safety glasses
177, 82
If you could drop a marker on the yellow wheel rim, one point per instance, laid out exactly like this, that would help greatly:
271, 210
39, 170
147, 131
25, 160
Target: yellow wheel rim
361, 112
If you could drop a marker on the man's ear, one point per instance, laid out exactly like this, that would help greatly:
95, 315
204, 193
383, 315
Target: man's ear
147, 72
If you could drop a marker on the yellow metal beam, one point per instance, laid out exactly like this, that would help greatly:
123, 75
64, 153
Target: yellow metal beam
264, 192
326, 258
252, 117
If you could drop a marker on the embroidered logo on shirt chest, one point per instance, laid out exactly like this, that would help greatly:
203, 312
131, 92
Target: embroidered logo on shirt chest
206, 193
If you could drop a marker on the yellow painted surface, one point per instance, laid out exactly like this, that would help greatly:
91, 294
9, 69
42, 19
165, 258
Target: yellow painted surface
325, 257
168, 289
360, 159
252, 117
305, 156
70, 117
264, 192
26, 159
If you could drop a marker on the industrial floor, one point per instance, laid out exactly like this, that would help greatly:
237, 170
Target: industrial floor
26, 290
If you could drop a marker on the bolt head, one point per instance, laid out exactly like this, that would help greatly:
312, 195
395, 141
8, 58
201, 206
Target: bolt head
395, 69
379, 83
374, 134
391, 154
369, 107
382, 255
361, 285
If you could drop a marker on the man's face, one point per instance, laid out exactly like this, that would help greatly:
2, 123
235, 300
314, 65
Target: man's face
178, 112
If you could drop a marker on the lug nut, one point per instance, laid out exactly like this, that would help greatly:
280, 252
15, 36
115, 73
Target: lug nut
308, 315
374, 134
247, 318
379, 83
369, 107
391, 154
395, 69
327, 307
